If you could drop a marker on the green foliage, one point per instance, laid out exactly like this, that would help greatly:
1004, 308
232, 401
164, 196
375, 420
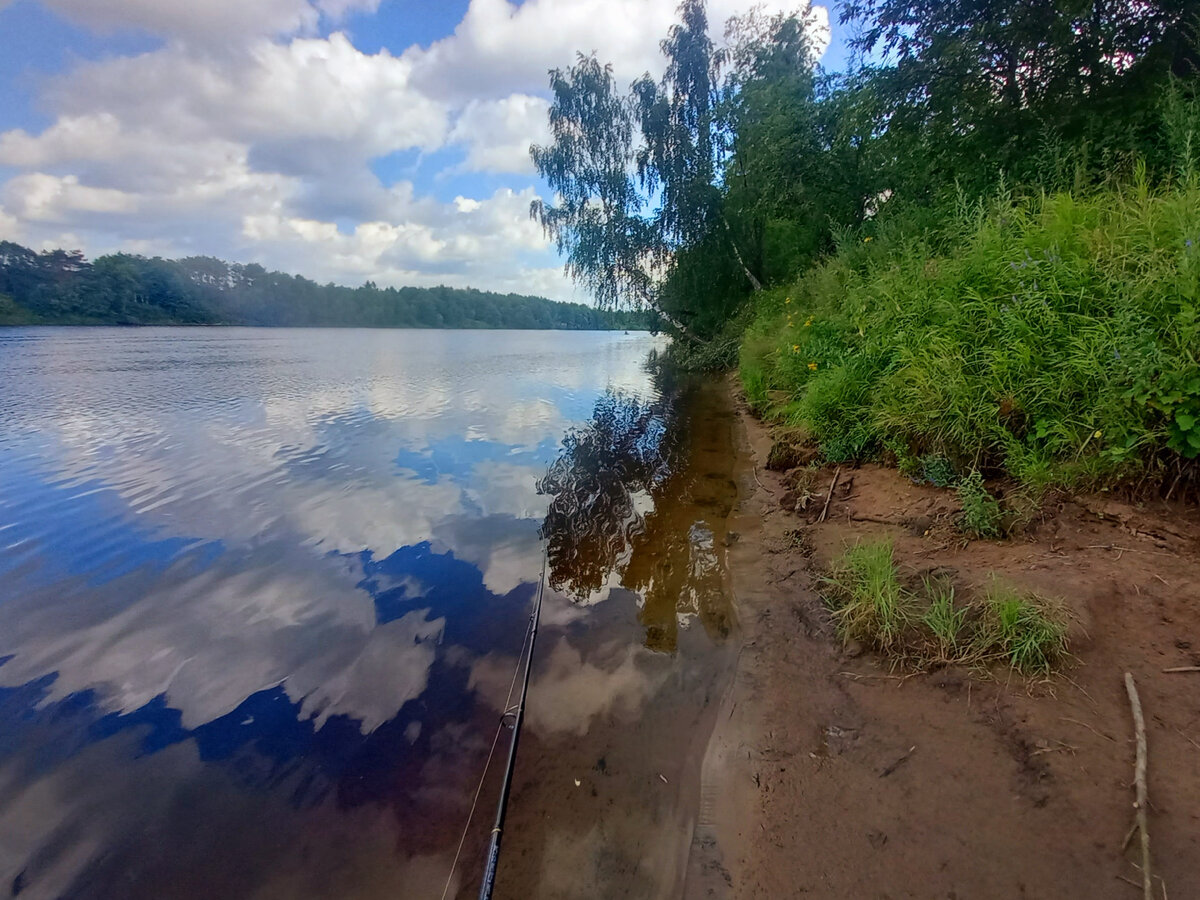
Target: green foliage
869, 605
944, 620
597, 219
1026, 630
987, 135
980, 511
61, 287
1053, 336
931, 627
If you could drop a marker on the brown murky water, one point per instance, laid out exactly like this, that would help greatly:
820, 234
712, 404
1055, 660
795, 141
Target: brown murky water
607, 784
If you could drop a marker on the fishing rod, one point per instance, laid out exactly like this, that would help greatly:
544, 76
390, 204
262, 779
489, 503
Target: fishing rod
517, 713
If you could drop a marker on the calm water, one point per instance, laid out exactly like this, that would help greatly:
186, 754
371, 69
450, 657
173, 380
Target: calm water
262, 592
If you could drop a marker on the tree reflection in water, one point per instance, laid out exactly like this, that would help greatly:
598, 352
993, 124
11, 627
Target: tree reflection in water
641, 495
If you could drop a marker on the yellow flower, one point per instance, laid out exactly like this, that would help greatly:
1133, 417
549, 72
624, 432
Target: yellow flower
808, 322
813, 366
795, 348
788, 300
1098, 434
866, 240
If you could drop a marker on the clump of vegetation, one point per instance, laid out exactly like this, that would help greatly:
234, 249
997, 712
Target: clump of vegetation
944, 620
941, 252
869, 604
931, 627
1055, 340
1026, 630
980, 511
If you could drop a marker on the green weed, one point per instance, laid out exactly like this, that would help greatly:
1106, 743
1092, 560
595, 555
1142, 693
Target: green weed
944, 620
932, 627
1026, 630
980, 511
869, 605
1054, 337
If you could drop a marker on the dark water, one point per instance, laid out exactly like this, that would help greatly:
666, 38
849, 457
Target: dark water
262, 593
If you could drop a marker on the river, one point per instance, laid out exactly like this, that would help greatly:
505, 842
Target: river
263, 591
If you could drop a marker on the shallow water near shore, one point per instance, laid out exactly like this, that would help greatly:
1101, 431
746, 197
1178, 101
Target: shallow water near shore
263, 592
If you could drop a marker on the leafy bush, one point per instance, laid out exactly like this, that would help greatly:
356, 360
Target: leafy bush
980, 511
1056, 337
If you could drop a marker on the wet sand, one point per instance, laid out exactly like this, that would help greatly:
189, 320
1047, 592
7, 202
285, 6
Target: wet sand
831, 775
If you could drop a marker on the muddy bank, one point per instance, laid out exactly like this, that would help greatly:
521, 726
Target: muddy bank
829, 775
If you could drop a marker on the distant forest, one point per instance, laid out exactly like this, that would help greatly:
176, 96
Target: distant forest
61, 287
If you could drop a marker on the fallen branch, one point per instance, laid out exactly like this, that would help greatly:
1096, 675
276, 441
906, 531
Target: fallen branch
879, 520
1139, 777
825, 511
1182, 669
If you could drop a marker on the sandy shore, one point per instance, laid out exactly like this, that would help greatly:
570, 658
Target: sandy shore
828, 775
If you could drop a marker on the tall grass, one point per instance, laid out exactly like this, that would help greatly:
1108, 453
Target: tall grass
1055, 337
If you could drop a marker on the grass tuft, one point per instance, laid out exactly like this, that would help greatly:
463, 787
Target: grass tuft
930, 627
944, 620
1027, 630
869, 605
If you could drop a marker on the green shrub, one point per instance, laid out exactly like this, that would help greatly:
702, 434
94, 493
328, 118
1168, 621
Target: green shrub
980, 511
1055, 337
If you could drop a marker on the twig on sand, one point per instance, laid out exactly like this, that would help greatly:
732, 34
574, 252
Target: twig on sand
1107, 737
760, 484
1182, 669
1139, 777
825, 511
878, 520
894, 766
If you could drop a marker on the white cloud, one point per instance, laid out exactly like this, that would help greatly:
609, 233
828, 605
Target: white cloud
500, 48
50, 198
210, 20
497, 133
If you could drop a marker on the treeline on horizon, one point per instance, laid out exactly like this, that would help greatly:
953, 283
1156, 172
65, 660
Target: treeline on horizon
976, 251
63, 287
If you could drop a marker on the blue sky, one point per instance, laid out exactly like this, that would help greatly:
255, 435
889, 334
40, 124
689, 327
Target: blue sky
342, 139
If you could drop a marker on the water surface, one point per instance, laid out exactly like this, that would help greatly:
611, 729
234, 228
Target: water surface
262, 593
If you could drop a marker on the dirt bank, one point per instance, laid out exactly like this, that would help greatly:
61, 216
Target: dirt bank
828, 775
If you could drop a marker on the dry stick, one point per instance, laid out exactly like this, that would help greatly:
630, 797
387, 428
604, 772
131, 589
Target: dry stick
1089, 728
1182, 669
829, 496
1139, 777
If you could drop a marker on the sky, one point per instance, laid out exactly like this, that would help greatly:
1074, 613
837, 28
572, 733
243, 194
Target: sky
343, 140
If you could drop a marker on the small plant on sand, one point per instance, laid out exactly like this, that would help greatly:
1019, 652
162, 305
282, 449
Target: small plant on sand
980, 511
1027, 630
945, 621
869, 604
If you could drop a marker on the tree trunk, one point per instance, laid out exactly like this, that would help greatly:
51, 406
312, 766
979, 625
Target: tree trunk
754, 282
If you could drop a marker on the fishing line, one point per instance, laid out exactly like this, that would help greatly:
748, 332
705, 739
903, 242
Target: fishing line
530, 629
